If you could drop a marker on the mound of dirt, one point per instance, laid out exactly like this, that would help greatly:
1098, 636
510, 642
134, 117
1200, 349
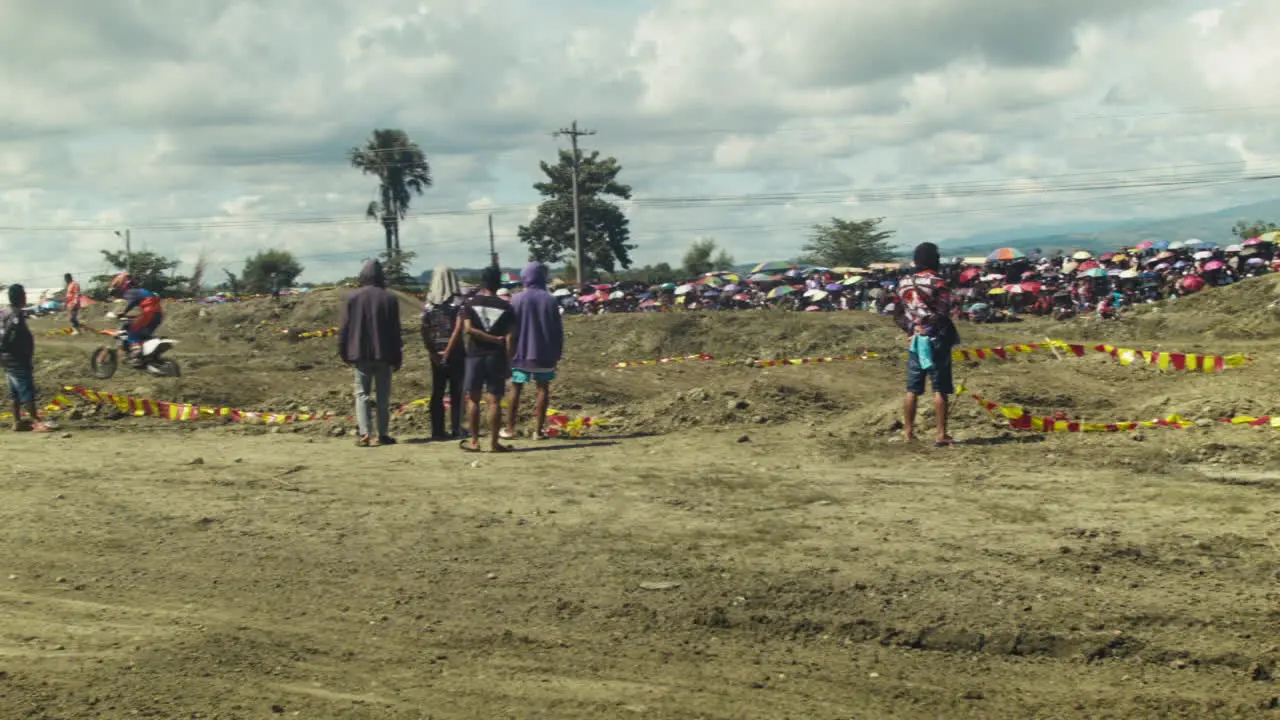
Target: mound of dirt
316, 310
1247, 309
231, 359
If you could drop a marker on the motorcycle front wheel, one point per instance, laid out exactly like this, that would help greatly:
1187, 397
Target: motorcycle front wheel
104, 362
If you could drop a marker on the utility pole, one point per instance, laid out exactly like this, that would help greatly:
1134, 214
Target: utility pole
574, 133
493, 253
128, 250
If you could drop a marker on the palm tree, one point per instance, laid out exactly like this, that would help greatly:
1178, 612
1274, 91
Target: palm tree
402, 171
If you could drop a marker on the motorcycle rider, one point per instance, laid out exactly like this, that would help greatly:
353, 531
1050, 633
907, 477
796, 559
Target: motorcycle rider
150, 313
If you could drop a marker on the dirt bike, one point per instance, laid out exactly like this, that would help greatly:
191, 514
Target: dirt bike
106, 359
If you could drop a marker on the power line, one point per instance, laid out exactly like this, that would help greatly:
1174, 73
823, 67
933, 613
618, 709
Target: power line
452, 148
1050, 184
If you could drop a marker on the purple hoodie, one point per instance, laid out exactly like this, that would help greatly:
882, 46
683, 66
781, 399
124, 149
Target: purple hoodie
539, 329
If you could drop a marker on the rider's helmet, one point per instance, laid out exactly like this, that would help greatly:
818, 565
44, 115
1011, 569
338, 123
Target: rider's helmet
119, 284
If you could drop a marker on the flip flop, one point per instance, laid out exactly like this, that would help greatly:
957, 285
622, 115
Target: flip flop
466, 446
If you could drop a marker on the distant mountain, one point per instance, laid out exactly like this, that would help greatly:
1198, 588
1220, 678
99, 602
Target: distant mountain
1100, 237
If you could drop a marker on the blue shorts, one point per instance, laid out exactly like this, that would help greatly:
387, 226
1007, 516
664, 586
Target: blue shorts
22, 384
520, 377
939, 375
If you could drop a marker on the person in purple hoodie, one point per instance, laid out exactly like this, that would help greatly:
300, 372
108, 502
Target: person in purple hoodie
539, 346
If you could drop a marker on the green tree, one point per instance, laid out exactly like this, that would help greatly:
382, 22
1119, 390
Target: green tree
699, 258
402, 171
231, 285
270, 270
395, 266
849, 242
724, 261
154, 272
1245, 230
606, 232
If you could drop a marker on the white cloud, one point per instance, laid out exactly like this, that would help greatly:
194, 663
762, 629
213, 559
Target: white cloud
221, 127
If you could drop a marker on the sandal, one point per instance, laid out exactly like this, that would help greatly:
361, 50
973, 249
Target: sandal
503, 449
945, 442
466, 446
362, 441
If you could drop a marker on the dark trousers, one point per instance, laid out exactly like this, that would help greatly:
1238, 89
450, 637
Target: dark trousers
449, 376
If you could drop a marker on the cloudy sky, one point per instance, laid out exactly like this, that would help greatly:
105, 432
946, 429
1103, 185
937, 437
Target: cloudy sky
219, 126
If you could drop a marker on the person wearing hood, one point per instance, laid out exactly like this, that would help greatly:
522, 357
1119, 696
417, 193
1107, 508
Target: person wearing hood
539, 346
441, 333
369, 340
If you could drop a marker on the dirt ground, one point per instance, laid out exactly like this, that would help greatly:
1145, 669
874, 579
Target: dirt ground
737, 543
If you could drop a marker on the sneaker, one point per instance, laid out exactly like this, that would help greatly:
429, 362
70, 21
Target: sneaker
41, 427
506, 434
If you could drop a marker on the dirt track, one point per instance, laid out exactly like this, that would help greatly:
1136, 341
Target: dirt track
815, 570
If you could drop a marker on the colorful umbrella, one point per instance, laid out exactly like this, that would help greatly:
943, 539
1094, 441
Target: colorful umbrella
684, 290
780, 291
1213, 265
1081, 255
996, 291
772, 267
1271, 237
968, 274
856, 279
1006, 254
1032, 287
1128, 274
1202, 255
1095, 272
1145, 245
508, 278
1234, 248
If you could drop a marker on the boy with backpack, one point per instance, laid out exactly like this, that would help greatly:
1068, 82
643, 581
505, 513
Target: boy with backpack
922, 308
17, 355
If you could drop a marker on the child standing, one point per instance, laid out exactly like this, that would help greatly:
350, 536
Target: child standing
17, 355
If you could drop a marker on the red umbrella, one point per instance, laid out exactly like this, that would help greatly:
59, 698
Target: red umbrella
1193, 283
969, 274
1087, 265
1031, 286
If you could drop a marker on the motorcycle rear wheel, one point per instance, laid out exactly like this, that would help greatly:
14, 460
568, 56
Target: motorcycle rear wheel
168, 368
104, 362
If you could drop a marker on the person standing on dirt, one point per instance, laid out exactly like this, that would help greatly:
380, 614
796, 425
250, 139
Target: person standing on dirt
488, 324
17, 356
72, 297
539, 346
369, 339
442, 335
922, 308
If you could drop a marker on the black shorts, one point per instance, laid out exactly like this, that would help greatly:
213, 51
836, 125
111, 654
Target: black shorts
486, 374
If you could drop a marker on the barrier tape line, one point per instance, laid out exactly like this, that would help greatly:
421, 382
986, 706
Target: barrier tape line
1193, 362
1163, 360
559, 423
662, 361
1019, 418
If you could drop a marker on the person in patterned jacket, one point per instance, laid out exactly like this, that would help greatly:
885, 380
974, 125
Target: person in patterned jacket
922, 308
